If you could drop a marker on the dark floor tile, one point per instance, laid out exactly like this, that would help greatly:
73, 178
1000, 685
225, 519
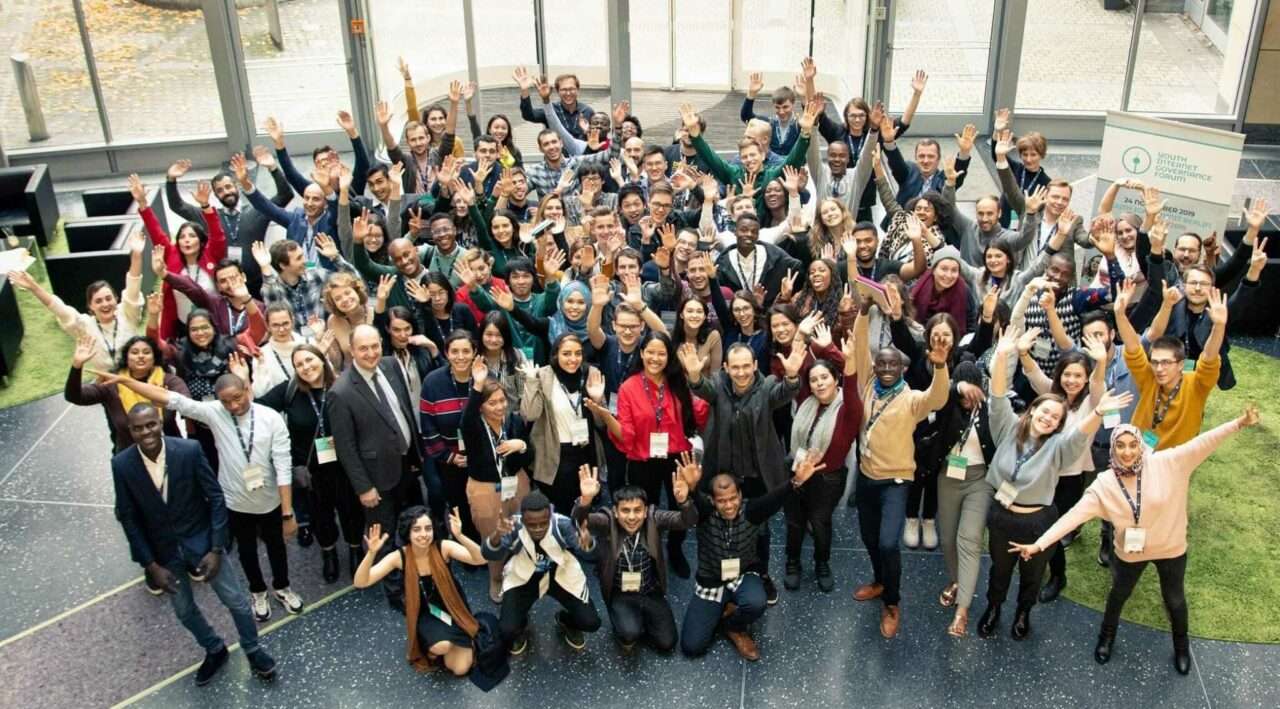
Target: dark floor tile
1240, 675
72, 464
55, 557
21, 426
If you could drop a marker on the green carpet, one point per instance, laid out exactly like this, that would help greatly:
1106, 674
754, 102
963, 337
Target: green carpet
46, 352
1233, 565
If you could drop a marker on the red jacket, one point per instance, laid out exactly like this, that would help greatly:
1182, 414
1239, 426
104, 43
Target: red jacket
215, 249
636, 414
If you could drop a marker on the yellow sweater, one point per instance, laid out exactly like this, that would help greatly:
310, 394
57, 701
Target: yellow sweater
1186, 412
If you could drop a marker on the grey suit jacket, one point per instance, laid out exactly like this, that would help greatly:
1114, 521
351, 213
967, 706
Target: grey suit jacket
366, 435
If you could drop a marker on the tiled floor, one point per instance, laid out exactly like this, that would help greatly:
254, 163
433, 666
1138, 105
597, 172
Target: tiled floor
60, 548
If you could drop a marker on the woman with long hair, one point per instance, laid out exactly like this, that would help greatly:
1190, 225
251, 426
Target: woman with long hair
1032, 450
431, 591
442, 315
500, 236
833, 221
140, 359
498, 350
694, 326
347, 302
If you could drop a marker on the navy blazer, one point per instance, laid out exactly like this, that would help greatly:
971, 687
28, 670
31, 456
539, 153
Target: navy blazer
190, 524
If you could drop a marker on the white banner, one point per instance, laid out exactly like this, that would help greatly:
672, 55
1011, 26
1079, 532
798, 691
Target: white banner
1193, 167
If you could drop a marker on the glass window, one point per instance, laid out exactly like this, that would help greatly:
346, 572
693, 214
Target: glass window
578, 40
704, 40
775, 36
951, 42
650, 44
1185, 65
45, 30
305, 83
430, 38
1074, 54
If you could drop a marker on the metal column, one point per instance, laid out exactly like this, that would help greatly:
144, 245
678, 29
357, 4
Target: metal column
619, 19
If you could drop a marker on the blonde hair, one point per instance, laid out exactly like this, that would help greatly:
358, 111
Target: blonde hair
820, 235
342, 279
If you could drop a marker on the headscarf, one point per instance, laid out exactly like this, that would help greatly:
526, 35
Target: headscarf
560, 323
1135, 469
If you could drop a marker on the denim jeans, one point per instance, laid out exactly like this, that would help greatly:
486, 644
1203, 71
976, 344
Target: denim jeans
882, 510
231, 591
702, 616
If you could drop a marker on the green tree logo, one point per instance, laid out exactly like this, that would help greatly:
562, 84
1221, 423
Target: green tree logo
1136, 160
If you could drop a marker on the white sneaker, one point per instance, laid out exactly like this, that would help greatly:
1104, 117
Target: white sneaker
261, 609
291, 601
911, 533
929, 534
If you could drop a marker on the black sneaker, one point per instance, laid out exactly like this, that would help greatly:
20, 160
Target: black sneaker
262, 665
213, 662
573, 637
305, 538
770, 590
520, 644
791, 579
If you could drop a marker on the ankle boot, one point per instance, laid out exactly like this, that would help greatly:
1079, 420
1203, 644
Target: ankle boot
329, 564
1181, 653
822, 569
791, 578
1052, 588
1106, 638
989, 621
1021, 623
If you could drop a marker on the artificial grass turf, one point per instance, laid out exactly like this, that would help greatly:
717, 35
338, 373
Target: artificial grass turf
46, 351
1233, 563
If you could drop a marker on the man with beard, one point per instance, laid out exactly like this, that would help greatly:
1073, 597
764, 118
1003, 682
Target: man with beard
243, 224
318, 215
860, 251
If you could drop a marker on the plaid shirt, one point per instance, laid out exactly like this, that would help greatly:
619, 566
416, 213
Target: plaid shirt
543, 178
306, 297
716, 594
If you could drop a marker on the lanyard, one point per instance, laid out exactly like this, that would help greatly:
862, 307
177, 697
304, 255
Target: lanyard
498, 460
1163, 404
319, 409
1024, 185
624, 368
288, 370
657, 403
875, 415
855, 148
1136, 508
231, 225
576, 403
235, 323
626, 553
1021, 461
247, 448
110, 341
742, 275
968, 430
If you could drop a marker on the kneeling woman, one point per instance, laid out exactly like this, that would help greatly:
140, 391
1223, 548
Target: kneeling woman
436, 614
1144, 495
1032, 451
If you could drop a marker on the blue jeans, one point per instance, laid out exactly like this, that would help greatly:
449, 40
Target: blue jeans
702, 616
231, 591
882, 511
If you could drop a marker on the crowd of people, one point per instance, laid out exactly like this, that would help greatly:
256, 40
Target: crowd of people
555, 365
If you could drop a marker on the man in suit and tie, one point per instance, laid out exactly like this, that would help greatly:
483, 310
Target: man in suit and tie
170, 505
375, 430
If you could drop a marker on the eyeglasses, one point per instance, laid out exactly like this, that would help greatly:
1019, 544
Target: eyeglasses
1197, 284
1162, 363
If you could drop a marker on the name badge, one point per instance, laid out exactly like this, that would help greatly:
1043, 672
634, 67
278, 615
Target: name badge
507, 488
325, 452
631, 581
800, 455
658, 443
1150, 438
1006, 494
462, 445
440, 613
234, 252
1110, 418
730, 569
1188, 365
579, 434
957, 466
613, 404
254, 478
1135, 540
527, 350
1041, 348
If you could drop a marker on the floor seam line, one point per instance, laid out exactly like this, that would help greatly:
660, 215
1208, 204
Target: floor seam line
68, 613
1195, 661
96, 505
37, 442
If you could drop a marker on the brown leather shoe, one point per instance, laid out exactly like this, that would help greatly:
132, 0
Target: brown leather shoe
743, 643
890, 617
868, 591
729, 608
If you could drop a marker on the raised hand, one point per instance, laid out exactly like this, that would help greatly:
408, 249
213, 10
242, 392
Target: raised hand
86, 349
633, 291
479, 372
1004, 146
1036, 199
949, 170
595, 384
1027, 340
791, 179
689, 470
237, 366
755, 84
621, 110
1250, 417
893, 303
812, 108
374, 538
503, 298
522, 79
805, 466
347, 123
588, 483
455, 91
1048, 299
202, 193
137, 190
275, 129
1111, 401
544, 89
690, 119
1151, 201
1103, 238
155, 305
455, 523
939, 349
178, 169
794, 362
1256, 217
261, 255
1096, 348
822, 335
965, 138
385, 283
989, 302
1217, 307
241, 170
158, 264
264, 157
468, 90
1066, 220
1257, 260
1004, 119
919, 80
692, 362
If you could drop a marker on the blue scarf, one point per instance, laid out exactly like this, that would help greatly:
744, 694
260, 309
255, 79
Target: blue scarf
883, 391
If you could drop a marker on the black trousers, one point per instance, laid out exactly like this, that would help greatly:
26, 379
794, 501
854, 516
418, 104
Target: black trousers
455, 492
247, 530
923, 489
1003, 527
811, 507
1068, 492
653, 476
405, 494
516, 602
751, 489
1125, 575
637, 616
331, 497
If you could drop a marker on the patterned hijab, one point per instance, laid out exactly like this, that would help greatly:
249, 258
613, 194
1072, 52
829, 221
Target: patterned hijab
1122, 471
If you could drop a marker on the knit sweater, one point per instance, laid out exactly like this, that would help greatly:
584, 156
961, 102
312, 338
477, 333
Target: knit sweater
1166, 480
1037, 477
1186, 410
720, 538
886, 450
